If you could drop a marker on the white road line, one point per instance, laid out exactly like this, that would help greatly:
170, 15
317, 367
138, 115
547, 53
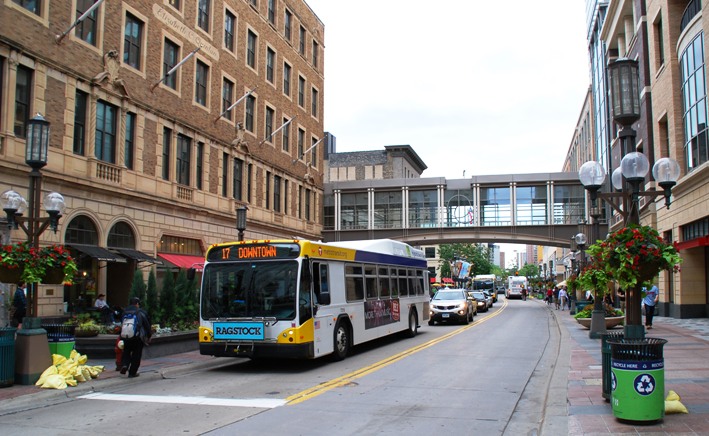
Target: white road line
263, 403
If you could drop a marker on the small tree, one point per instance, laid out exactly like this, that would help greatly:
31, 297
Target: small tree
137, 288
167, 299
186, 310
151, 299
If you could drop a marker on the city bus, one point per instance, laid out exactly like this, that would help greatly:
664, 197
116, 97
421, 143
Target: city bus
486, 282
515, 285
304, 299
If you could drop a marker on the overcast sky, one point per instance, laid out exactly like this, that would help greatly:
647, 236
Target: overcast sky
474, 87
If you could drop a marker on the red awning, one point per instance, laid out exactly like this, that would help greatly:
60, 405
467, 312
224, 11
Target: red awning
183, 260
447, 280
701, 241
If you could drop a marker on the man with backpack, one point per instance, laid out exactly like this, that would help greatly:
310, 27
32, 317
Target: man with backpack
135, 333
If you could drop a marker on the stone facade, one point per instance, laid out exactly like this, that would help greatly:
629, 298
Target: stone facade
153, 178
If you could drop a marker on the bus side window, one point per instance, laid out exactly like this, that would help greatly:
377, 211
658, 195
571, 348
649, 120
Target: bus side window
322, 288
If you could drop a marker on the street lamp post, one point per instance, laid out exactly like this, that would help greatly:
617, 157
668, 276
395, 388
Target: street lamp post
241, 221
634, 167
14, 205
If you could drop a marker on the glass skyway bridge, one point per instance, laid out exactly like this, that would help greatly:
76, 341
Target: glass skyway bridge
542, 209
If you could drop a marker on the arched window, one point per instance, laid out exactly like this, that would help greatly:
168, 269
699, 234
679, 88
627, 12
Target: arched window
695, 107
81, 230
121, 236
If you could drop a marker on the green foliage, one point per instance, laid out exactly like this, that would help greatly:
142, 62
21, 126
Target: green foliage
137, 288
476, 254
186, 297
168, 299
151, 297
587, 312
529, 270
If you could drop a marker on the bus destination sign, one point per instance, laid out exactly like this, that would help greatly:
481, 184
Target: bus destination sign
260, 251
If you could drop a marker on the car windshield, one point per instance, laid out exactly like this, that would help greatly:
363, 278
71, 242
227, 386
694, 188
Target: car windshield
449, 295
479, 295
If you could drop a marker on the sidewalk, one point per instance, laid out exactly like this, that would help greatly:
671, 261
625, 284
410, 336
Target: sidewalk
686, 355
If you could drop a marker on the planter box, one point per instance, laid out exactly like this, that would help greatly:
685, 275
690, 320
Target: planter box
611, 322
102, 346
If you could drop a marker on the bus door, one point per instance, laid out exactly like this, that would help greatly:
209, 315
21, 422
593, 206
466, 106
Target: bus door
322, 321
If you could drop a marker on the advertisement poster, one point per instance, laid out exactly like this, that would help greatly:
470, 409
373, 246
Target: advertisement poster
381, 312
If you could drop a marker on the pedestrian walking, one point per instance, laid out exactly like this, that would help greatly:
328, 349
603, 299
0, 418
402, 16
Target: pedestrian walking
563, 298
652, 296
19, 304
135, 333
556, 298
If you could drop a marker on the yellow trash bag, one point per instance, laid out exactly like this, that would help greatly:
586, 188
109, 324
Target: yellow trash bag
69, 380
54, 381
85, 372
79, 358
47, 372
673, 405
58, 359
78, 374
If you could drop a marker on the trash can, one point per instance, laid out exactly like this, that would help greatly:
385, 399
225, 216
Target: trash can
637, 379
606, 360
61, 338
7, 356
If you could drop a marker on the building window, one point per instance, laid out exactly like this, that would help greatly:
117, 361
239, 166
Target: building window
238, 178
269, 123
133, 41
301, 142
314, 102
285, 196
200, 87
251, 42
229, 30
171, 55
203, 11
249, 114
199, 170
316, 49
106, 132
659, 44
276, 193
286, 135
227, 97
272, 12
288, 24
308, 193
249, 178
313, 153
184, 159
175, 4
34, 6
301, 47
129, 146
166, 146
23, 95
286, 79
254, 3
270, 64
225, 174
86, 29
300, 202
80, 107
268, 190
301, 91
695, 106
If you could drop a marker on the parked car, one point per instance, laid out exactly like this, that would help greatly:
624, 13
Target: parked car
493, 297
484, 302
452, 305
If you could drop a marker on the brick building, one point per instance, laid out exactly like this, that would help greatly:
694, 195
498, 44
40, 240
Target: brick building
152, 166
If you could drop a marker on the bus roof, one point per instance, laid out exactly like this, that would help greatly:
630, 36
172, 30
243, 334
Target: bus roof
383, 246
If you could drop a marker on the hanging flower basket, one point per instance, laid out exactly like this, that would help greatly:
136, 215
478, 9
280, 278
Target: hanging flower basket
53, 276
634, 255
10, 275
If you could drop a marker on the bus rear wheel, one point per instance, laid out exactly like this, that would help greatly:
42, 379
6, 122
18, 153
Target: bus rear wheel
413, 324
341, 340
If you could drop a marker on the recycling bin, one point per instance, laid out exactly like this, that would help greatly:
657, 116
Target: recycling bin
606, 360
61, 338
637, 379
7, 356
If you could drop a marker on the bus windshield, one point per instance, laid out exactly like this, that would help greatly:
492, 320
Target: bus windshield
249, 289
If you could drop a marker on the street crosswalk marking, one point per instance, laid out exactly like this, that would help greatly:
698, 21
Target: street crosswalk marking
262, 403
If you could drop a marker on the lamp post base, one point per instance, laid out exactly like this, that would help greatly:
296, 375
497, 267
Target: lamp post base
31, 352
598, 324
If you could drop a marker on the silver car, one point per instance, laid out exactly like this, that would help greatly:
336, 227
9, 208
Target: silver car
452, 305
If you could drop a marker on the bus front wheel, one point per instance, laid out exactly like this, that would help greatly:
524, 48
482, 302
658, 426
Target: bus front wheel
341, 342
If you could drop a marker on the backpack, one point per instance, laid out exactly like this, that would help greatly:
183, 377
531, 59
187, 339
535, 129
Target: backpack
129, 325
